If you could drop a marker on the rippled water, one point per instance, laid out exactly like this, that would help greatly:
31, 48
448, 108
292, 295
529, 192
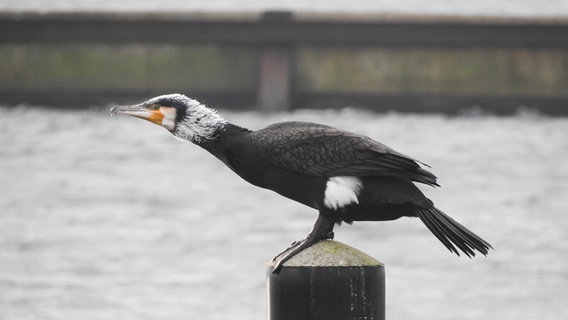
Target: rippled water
106, 218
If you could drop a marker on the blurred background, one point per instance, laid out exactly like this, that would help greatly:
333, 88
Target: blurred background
113, 219
434, 56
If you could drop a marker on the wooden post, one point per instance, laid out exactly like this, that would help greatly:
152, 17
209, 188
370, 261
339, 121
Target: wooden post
327, 281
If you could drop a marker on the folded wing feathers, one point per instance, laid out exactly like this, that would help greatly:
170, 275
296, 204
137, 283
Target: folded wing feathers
325, 151
402, 165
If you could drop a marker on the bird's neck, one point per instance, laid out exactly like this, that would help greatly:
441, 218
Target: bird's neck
227, 134
200, 125
228, 138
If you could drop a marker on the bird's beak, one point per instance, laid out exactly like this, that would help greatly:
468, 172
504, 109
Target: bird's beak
139, 111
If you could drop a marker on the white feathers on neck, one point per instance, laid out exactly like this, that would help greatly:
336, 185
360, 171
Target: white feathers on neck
199, 124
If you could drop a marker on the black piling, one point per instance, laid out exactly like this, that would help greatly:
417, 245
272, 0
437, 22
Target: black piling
330, 281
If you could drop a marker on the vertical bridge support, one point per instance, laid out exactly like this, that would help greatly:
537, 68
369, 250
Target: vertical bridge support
328, 281
274, 79
275, 66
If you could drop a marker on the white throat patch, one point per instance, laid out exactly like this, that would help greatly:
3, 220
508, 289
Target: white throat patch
169, 120
200, 124
341, 191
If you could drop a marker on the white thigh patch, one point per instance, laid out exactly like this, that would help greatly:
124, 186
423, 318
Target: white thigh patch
341, 191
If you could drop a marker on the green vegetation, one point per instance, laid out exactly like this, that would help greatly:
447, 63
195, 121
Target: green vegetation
478, 71
126, 67
433, 70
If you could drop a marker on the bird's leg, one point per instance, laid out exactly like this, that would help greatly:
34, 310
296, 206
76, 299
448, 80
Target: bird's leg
322, 230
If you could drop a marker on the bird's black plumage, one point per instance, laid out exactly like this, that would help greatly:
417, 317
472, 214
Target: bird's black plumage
345, 176
324, 151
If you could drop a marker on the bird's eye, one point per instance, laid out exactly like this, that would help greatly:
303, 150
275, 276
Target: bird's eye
155, 107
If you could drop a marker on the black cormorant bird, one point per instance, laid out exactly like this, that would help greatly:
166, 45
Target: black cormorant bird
345, 176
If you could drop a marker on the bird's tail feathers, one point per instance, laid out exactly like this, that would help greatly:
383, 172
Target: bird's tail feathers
452, 234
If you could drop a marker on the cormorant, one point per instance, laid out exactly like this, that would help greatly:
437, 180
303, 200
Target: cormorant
345, 176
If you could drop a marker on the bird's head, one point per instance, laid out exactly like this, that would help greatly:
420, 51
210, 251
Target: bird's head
185, 118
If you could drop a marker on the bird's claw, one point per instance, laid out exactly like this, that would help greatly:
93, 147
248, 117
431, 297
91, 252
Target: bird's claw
323, 229
295, 248
285, 255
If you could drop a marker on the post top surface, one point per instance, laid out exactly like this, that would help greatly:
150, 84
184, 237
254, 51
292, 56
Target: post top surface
329, 253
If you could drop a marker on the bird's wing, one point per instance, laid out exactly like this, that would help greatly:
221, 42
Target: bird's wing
320, 150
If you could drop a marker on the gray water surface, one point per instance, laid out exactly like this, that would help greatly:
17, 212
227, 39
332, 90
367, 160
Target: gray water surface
112, 218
